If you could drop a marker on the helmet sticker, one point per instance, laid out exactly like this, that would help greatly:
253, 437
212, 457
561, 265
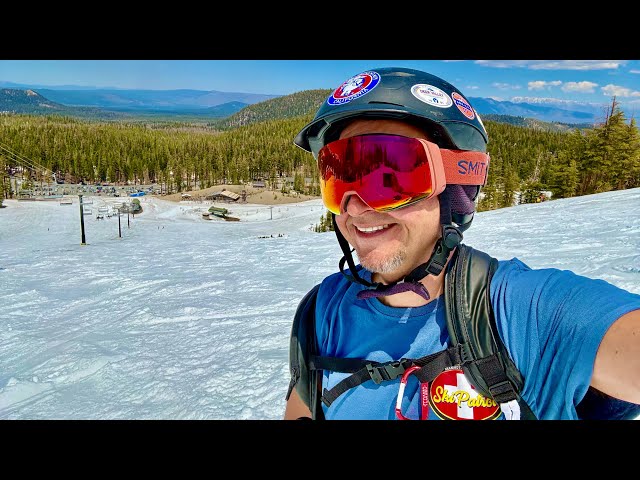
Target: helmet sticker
452, 397
355, 87
463, 105
431, 95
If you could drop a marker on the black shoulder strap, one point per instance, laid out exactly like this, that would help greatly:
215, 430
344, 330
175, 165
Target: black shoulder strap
471, 324
302, 347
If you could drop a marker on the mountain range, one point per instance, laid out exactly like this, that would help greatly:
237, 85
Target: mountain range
114, 103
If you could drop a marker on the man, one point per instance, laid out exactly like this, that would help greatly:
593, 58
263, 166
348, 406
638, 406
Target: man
402, 157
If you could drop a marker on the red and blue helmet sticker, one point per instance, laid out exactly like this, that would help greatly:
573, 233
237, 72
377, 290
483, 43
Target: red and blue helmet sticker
355, 87
431, 95
464, 106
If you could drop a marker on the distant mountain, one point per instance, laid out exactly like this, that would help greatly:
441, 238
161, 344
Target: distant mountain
226, 109
535, 123
29, 86
572, 105
32, 103
294, 105
544, 112
26, 101
150, 99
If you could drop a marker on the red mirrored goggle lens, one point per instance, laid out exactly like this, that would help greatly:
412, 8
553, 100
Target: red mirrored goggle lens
386, 171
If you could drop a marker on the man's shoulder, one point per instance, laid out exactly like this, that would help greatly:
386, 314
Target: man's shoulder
515, 271
334, 282
505, 267
515, 275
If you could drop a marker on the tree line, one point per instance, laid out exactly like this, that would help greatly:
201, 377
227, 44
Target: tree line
188, 157
577, 162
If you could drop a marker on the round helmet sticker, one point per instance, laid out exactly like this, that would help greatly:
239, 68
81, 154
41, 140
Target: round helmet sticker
452, 397
463, 105
355, 87
431, 95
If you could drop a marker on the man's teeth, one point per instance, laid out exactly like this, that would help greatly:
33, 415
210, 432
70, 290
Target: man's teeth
372, 229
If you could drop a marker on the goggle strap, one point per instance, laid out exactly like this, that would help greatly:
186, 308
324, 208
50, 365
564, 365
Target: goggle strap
465, 167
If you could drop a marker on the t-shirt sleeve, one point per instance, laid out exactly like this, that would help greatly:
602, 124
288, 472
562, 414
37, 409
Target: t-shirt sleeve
552, 322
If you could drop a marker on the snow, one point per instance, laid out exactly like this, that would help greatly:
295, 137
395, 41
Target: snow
186, 318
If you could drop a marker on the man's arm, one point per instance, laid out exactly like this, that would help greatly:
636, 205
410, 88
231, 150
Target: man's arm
296, 408
616, 371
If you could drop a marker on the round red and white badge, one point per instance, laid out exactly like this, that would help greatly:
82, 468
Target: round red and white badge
464, 106
452, 397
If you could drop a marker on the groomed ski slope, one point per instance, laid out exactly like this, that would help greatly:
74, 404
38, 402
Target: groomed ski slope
186, 318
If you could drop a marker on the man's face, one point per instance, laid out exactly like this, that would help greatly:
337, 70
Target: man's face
394, 242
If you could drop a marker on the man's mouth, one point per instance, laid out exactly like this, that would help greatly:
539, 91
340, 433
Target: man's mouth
372, 229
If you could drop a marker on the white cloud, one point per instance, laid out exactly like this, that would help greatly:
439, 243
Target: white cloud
542, 85
505, 86
618, 91
554, 64
580, 87
634, 71
472, 87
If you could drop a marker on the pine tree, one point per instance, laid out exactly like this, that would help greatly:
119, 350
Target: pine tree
510, 187
633, 179
325, 225
604, 156
531, 192
563, 175
627, 158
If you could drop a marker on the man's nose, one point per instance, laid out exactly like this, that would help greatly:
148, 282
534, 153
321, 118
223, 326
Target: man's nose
354, 205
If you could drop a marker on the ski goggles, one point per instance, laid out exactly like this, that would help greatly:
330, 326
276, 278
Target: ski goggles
391, 171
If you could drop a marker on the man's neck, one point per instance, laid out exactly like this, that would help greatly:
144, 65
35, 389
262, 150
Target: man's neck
433, 284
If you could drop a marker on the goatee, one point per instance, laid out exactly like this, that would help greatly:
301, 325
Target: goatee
384, 265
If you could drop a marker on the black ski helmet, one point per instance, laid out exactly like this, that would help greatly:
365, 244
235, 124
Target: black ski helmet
402, 93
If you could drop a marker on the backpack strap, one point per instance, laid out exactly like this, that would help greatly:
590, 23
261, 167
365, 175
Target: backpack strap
471, 324
302, 349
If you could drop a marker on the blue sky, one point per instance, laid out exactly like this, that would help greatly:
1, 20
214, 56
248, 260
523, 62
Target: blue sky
579, 80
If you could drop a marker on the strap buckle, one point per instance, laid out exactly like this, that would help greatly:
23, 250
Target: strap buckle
503, 392
387, 371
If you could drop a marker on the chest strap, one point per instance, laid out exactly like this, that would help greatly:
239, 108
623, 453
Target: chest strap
364, 370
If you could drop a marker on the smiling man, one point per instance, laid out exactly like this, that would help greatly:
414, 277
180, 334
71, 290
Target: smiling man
426, 327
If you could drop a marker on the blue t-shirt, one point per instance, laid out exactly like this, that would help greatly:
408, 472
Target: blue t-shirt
551, 322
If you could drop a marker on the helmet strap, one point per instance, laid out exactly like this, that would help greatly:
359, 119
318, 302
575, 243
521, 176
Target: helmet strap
346, 250
450, 238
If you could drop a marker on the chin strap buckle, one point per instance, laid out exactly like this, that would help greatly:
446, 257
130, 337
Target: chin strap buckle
450, 239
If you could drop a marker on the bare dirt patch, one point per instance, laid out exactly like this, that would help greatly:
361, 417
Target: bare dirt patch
260, 196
